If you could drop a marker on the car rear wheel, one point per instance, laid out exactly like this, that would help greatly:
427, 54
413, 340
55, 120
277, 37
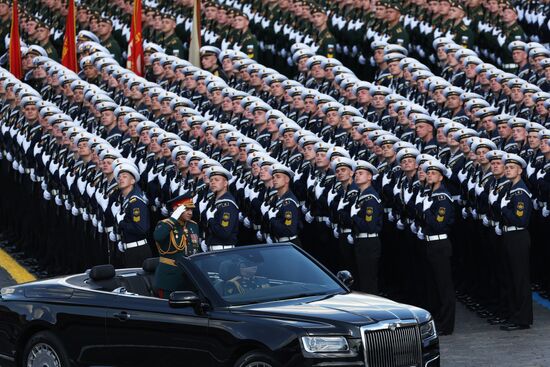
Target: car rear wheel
44, 350
257, 359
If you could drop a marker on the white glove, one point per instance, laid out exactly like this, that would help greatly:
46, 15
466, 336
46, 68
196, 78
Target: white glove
498, 231
15, 165
204, 248
478, 189
464, 213
264, 208
400, 225
85, 216
335, 233
540, 174
202, 205
474, 213
391, 217
21, 169
413, 228
492, 197
67, 206
350, 239
47, 195
327, 222
241, 217
259, 236
120, 247
354, 210
210, 213
420, 234
504, 202
100, 226
545, 211
112, 236
164, 211
304, 209
58, 200
268, 239
485, 220
44, 185
272, 213
308, 217
246, 222
178, 212
94, 220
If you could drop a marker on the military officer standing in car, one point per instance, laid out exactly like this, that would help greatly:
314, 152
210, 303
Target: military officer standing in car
175, 237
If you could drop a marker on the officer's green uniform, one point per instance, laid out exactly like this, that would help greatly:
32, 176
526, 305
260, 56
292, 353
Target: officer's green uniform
249, 44
112, 45
173, 241
173, 46
52, 52
241, 285
398, 35
326, 42
463, 35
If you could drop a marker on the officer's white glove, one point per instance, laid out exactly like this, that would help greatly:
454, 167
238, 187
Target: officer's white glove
178, 212
119, 217
485, 220
504, 202
464, 213
210, 213
47, 195
420, 234
259, 236
120, 247
350, 239
498, 231
427, 203
204, 248
246, 222
545, 211
400, 225
112, 236
308, 217
58, 200
268, 239
391, 217
272, 213
335, 233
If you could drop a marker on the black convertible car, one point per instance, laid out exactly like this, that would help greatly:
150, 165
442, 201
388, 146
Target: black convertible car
256, 306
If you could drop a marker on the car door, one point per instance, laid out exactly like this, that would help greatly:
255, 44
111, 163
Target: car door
146, 331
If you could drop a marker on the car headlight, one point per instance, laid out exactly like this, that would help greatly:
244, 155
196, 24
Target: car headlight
427, 330
325, 344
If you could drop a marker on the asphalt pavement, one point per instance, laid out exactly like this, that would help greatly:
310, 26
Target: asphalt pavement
475, 342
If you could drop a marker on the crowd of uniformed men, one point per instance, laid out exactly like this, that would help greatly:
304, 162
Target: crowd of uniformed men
429, 181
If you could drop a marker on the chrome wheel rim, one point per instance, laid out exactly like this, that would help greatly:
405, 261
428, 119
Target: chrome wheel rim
43, 355
258, 364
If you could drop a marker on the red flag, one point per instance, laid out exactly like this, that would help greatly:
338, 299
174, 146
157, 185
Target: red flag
15, 44
135, 47
68, 56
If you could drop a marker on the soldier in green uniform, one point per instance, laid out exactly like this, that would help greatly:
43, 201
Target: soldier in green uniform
463, 34
324, 39
175, 237
105, 34
245, 41
172, 44
511, 31
247, 280
394, 29
42, 38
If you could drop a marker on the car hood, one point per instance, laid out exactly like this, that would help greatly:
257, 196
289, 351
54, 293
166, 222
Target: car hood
355, 308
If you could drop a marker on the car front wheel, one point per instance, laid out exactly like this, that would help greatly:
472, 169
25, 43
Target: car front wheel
257, 359
44, 350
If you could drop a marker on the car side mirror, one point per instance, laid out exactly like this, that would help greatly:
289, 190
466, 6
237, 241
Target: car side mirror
345, 277
180, 299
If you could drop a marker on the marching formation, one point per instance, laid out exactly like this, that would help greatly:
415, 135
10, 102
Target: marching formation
428, 182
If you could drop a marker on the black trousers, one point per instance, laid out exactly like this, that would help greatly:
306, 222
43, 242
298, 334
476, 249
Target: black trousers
133, 257
367, 257
439, 254
520, 303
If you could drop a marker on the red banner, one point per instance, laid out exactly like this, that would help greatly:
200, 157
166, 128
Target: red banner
135, 47
15, 44
68, 56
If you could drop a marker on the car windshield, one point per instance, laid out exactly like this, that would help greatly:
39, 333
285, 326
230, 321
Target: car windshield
265, 273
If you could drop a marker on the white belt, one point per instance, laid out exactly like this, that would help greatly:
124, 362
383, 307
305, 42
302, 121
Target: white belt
509, 66
456, 198
493, 223
436, 237
512, 229
220, 247
256, 227
366, 235
346, 230
134, 244
387, 210
321, 219
286, 239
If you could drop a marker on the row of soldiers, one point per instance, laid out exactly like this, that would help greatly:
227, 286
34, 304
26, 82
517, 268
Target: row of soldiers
347, 118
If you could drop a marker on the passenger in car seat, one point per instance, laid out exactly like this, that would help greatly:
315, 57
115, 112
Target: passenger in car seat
247, 280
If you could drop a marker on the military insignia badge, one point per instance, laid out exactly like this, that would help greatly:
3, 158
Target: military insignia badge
330, 50
288, 218
225, 220
440, 215
370, 211
519, 209
136, 215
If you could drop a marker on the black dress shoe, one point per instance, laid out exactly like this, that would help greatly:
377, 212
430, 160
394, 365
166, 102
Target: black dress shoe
513, 327
496, 321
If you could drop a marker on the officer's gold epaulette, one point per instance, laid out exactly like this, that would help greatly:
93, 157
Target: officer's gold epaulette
463, 27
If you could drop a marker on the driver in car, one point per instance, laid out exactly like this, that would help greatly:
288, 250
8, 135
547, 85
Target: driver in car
247, 281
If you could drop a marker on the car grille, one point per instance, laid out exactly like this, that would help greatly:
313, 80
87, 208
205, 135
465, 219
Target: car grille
392, 344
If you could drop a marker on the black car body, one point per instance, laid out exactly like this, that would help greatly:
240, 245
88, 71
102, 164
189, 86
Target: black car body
108, 318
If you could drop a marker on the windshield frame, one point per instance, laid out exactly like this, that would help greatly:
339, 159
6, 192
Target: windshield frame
219, 302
